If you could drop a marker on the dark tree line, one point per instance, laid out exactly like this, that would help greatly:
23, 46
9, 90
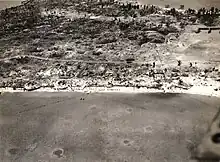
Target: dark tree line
208, 16
24, 16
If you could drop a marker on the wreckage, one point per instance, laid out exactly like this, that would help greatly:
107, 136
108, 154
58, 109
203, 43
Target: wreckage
209, 29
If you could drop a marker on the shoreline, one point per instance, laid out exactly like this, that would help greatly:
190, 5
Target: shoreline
197, 90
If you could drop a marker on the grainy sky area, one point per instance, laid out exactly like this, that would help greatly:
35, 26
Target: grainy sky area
187, 3
9, 3
173, 3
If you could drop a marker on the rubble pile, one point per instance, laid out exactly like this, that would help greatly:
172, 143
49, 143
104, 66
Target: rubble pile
77, 74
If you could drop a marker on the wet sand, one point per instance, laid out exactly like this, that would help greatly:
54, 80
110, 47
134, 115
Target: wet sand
102, 127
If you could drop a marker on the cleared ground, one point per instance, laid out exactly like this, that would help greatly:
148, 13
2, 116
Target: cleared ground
102, 127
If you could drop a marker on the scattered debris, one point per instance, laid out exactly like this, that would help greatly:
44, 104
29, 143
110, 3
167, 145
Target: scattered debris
101, 44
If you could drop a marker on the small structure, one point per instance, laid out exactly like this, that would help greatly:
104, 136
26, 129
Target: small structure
182, 7
209, 29
130, 60
167, 6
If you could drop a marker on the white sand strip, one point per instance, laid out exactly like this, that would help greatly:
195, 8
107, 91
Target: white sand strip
200, 90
